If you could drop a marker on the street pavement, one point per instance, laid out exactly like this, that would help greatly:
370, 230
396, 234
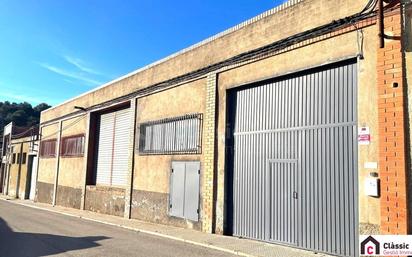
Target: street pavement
28, 232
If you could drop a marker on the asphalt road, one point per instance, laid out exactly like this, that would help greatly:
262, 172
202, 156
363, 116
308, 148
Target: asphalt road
28, 232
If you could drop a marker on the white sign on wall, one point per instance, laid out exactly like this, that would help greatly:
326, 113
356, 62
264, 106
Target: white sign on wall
364, 136
371, 165
371, 187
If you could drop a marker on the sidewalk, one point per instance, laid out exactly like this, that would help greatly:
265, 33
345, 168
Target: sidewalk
242, 247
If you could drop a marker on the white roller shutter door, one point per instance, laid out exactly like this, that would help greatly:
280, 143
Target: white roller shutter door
112, 156
105, 149
121, 148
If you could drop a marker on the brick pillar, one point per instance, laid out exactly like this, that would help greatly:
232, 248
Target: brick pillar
209, 126
391, 112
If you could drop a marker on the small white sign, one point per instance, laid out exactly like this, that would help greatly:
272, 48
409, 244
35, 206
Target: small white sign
372, 187
364, 136
371, 165
385, 245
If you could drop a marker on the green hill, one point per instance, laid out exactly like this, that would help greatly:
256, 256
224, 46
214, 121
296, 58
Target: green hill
21, 114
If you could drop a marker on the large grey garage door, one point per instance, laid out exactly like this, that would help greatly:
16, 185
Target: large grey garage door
295, 161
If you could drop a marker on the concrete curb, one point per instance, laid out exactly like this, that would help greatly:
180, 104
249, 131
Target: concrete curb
238, 253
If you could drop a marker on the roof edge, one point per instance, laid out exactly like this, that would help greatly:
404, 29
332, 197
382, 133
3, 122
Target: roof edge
259, 17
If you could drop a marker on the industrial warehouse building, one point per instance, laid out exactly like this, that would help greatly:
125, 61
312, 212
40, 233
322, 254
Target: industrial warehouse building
279, 129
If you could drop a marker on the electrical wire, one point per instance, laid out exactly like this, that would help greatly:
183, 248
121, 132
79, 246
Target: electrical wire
20, 135
64, 128
367, 12
370, 6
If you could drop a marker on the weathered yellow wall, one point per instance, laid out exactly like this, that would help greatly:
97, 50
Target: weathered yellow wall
19, 147
13, 174
151, 173
369, 207
71, 169
47, 166
257, 34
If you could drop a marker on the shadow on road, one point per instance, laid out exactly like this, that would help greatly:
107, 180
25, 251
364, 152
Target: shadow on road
16, 244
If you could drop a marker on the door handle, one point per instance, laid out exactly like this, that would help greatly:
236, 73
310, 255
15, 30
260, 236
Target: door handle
295, 195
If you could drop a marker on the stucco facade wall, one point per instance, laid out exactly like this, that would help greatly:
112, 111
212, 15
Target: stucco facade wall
152, 172
369, 214
13, 176
18, 176
71, 169
47, 166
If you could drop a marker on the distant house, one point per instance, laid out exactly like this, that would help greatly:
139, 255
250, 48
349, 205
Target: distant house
19, 162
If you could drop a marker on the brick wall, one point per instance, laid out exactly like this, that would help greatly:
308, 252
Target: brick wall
209, 126
392, 161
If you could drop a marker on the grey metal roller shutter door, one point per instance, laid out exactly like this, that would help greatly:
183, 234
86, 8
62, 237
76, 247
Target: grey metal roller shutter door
113, 148
295, 161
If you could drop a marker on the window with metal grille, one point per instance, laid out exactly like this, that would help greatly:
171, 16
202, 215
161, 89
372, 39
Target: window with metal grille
179, 135
72, 146
48, 148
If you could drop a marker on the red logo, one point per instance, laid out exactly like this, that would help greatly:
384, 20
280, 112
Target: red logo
370, 246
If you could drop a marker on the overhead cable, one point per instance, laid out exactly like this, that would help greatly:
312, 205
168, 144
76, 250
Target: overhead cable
265, 51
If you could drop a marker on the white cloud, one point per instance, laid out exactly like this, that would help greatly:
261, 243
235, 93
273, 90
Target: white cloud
70, 74
22, 98
80, 65
70, 81
5, 93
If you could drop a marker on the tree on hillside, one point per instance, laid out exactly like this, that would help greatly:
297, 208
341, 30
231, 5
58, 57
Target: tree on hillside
21, 114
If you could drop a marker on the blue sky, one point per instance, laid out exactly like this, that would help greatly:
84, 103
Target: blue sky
51, 50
